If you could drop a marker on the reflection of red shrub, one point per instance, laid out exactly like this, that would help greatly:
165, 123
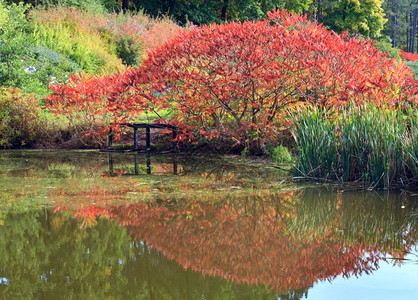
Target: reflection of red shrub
237, 79
409, 56
245, 242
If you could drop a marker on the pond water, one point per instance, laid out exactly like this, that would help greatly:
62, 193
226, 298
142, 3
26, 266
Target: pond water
90, 225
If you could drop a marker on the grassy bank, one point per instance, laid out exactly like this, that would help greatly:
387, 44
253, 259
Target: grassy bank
42, 46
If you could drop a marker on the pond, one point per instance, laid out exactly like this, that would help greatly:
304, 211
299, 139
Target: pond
90, 225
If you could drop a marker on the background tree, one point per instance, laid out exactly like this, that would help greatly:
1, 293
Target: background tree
209, 11
363, 17
401, 29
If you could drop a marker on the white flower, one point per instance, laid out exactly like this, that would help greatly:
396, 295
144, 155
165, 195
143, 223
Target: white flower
30, 70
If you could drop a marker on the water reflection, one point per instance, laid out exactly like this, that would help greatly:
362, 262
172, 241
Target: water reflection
281, 240
137, 165
258, 246
49, 255
216, 231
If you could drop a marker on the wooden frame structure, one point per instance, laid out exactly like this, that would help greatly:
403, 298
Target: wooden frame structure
147, 128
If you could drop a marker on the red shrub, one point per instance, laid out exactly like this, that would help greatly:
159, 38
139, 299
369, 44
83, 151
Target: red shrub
238, 79
409, 56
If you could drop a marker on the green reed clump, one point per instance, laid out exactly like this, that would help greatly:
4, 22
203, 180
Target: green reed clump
370, 144
376, 146
409, 141
314, 133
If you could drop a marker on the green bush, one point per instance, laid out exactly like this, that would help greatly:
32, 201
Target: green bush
386, 46
414, 66
20, 121
69, 32
281, 155
15, 43
92, 6
47, 66
129, 51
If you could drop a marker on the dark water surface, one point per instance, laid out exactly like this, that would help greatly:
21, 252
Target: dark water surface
89, 225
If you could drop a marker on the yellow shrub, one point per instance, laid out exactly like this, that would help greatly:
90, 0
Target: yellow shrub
19, 118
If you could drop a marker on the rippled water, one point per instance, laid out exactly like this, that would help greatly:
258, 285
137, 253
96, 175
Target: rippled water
87, 225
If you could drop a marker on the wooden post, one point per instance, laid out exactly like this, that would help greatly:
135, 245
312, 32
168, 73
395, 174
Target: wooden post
135, 138
174, 149
110, 139
148, 138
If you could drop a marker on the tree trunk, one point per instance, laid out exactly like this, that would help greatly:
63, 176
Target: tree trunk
125, 5
414, 30
173, 7
416, 26
224, 10
318, 11
407, 32
394, 23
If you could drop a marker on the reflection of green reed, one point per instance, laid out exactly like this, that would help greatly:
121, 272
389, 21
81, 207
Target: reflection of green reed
371, 219
369, 144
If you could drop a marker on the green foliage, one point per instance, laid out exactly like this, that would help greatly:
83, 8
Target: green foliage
29, 68
386, 47
209, 11
363, 17
99, 43
245, 152
400, 22
128, 51
92, 6
61, 30
14, 43
19, 118
414, 66
281, 155
48, 67
368, 144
